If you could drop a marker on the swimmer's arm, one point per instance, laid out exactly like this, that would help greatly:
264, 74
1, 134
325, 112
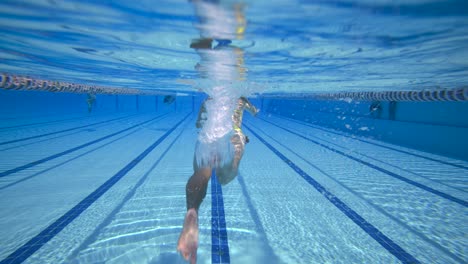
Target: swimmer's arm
199, 123
250, 107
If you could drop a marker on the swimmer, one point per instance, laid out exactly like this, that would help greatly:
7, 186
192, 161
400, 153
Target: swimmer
221, 62
375, 109
197, 184
392, 106
91, 100
169, 99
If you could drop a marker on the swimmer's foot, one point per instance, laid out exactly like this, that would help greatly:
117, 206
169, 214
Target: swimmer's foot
188, 240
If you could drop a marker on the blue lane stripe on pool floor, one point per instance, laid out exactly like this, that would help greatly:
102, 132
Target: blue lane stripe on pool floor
389, 173
343, 134
37, 162
26, 250
371, 230
60, 131
219, 238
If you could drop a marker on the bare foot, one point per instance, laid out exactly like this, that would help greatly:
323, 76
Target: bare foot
188, 240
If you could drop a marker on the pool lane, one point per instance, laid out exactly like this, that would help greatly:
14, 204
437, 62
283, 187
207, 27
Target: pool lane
40, 135
50, 138
55, 191
429, 226
63, 149
47, 121
219, 237
8, 182
329, 146
247, 239
146, 225
23, 118
18, 133
410, 152
300, 224
410, 163
376, 234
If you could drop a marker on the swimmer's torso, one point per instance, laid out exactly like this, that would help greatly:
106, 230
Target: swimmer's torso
242, 103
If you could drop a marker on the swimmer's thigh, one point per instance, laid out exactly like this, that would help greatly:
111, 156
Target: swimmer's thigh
229, 171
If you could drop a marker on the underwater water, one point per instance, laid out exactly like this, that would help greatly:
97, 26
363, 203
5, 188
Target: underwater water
358, 153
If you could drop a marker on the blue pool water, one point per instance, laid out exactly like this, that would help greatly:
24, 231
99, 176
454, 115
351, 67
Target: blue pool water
349, 159
109, 187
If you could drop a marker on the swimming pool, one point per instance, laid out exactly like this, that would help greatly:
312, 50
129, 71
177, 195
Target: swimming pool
109, 187
339, 168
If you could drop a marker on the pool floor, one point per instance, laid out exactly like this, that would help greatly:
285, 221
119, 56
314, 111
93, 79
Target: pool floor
110, 188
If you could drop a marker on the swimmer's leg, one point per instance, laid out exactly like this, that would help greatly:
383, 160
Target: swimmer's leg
195, 189
228, 172
195, 193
